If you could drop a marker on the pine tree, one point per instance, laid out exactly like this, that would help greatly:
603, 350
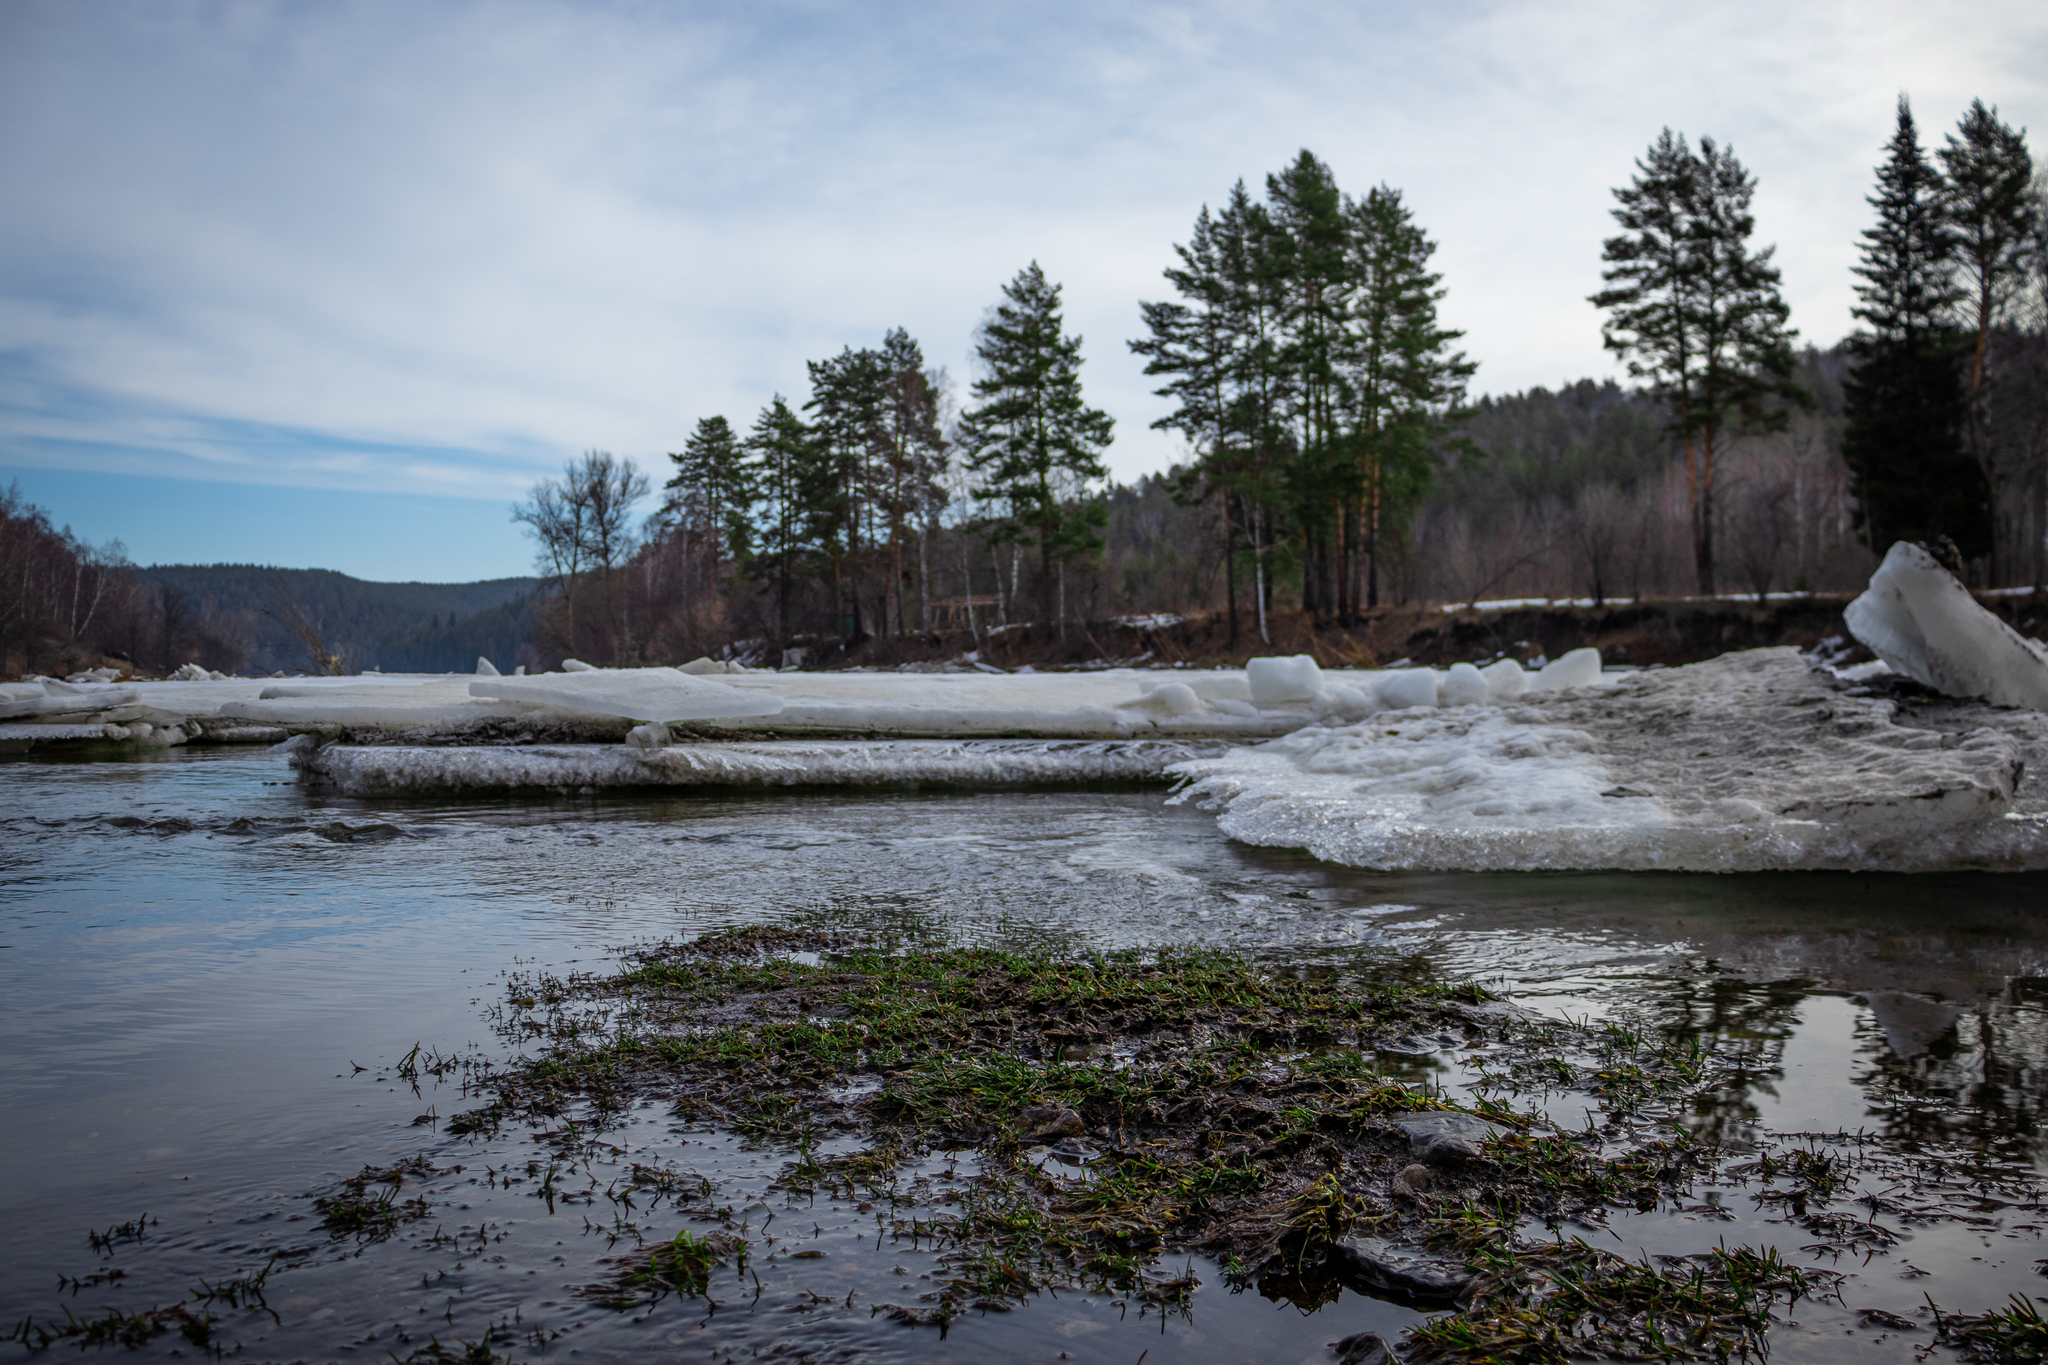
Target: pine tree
1990, 219
1308, 254
785, 453
712, 494
1696, 312
913, 456
848, 399
1404, 380
1198, 343
1905, 399
1031, 436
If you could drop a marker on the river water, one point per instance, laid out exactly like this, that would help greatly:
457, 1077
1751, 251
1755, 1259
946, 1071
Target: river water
208, 976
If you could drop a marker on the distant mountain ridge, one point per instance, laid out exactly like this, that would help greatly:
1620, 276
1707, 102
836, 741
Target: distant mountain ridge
396, 627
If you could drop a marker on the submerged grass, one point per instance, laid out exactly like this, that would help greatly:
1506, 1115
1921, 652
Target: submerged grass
1119, 1107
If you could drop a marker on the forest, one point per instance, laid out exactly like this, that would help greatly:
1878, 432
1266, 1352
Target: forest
1334, 463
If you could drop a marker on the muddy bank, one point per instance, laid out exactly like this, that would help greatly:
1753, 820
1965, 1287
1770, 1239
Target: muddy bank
1673, 632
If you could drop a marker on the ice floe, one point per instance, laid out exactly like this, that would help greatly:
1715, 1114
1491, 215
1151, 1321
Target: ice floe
1747, 762
380, 770
643, 694
1921, 621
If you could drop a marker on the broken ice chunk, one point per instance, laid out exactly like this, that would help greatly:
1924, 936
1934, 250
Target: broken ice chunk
485, 668
1409, 687
1505, 680
1580, 668
643, 694
1178, 698
653, 736
1463, 686
1921, 621
577, 666
1280, 681
1174, 698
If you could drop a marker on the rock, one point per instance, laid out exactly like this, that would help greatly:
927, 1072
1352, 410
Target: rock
1048, 1123
1410, 1182
1402, 1269
1365, 1348
1447, 1139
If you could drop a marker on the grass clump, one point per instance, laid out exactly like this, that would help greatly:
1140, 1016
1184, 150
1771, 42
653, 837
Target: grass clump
359, 1209
681, 1266
2014, 1335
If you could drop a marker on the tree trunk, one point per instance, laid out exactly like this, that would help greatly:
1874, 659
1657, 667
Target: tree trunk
1706, 516
1045, 583
1229, 571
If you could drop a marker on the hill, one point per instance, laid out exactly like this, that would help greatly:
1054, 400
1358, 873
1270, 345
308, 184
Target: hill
397, 627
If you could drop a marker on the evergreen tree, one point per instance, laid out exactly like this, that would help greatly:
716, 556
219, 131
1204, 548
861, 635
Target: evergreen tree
1404, 380
1308, 256
712, 494
785, 455
913, 456
1031, 436
1696, 312
1990, 220
848, 399
1905, 400
1198, 343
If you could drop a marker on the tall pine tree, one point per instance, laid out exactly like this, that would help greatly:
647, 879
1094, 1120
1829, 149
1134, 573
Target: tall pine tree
1990, 219
1905, 400
712, 495
1031, 436
786, 455
1404, 380
1697, 313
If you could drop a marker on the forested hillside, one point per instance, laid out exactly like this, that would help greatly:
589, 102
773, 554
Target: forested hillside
397, 627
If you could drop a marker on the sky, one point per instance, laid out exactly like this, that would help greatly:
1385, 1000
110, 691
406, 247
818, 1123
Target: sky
331, 284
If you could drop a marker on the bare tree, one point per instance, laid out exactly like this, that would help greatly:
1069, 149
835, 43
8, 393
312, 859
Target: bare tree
1598, 528
582, 525
321, 654
1761, 523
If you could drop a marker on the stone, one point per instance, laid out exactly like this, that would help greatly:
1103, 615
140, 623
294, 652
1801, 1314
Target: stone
1447, 1139
1048, 1123
1402, 1269
1410, 1181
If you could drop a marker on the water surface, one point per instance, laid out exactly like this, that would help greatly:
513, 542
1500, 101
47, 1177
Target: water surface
207, 974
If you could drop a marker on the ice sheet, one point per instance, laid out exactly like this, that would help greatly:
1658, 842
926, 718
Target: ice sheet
1921, 621
1747, 762
387, 769
643, 694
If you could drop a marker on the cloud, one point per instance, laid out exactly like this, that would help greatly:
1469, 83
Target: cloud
439, 248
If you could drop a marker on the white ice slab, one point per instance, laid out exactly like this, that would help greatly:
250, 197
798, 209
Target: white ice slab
1920, 620
643, 694
1747, 762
